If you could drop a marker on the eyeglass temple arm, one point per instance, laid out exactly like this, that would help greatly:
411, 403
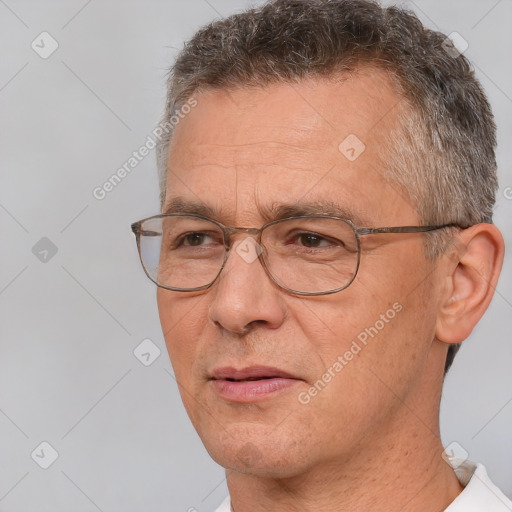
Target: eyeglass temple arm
403, 229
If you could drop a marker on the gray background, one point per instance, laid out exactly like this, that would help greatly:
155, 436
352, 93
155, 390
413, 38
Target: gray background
69, 324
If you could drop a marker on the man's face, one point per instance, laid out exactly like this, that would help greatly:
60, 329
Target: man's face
247, 150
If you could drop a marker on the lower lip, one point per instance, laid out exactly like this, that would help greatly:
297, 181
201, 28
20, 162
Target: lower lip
251, 390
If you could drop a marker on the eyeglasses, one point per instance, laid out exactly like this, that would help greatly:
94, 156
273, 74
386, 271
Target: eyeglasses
304, 255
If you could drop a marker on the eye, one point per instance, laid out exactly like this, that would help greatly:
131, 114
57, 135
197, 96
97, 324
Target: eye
312, 240
195, 239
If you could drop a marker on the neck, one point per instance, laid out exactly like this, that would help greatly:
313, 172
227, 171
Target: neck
400, 468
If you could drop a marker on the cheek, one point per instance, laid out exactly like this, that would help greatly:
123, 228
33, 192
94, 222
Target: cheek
399, 331
182, 320
381, 329
330, 324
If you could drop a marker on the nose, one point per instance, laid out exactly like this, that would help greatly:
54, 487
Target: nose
244, 296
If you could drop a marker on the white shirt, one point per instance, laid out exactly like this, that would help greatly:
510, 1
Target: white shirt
479, 494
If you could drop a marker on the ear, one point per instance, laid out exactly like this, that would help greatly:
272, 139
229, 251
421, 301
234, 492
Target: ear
470, 281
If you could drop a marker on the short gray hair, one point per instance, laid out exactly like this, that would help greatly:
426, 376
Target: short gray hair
443, 152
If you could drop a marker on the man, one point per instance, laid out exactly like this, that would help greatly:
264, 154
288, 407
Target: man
325, 244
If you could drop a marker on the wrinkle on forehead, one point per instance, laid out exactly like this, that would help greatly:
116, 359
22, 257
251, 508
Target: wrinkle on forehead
283, 124
258, 154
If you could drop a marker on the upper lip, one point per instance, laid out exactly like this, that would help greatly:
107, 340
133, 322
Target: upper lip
250, 372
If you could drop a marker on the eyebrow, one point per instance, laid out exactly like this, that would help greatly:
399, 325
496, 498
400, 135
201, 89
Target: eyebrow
181, 205
318, 207
276, 211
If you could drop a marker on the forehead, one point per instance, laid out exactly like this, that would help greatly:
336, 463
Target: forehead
241, 150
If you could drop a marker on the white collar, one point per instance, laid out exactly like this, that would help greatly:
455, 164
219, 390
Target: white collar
479, 494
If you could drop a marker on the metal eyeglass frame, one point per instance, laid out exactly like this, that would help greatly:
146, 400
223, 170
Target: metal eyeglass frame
229, 231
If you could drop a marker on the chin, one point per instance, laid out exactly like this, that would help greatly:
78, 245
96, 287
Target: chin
259, 457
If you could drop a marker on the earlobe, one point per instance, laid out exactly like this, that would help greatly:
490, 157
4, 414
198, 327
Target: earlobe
471, 282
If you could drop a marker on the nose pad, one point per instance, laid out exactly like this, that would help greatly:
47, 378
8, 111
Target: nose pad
248, 249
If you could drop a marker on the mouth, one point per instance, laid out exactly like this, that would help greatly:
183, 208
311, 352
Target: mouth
252, 383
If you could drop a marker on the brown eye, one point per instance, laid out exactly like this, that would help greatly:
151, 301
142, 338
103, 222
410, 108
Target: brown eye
194, 239
311, 240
